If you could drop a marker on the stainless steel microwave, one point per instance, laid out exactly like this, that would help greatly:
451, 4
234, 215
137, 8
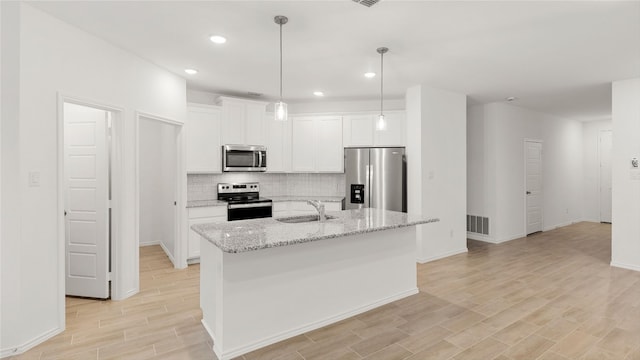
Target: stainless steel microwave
244, 158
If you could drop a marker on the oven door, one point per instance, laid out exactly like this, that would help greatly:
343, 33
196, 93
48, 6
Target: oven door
244, 158
249, 211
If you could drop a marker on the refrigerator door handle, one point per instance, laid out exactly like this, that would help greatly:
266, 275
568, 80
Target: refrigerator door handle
367, 185
369, 188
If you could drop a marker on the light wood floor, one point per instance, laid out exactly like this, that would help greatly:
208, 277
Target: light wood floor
548, 296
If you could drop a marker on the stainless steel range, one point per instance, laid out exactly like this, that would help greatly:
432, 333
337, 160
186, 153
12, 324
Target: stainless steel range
244, 201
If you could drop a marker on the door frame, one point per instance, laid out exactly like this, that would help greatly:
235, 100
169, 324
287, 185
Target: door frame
600, 172
180, 224
524, 163
115, 149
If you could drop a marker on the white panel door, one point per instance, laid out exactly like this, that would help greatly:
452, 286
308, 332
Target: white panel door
533, 168
86, 175
302, 145
606, 144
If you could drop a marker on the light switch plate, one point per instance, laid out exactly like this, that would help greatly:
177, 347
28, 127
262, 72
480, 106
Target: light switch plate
34, 178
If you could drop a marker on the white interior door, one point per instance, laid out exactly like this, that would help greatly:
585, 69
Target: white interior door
606, 144
533, 186
86, 174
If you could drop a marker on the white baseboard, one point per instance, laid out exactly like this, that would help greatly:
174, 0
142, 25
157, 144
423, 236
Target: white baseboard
31, 343
150, 243
480, 237
166, 251
193, 261
495, 241
303, 329
625, 266
441, 256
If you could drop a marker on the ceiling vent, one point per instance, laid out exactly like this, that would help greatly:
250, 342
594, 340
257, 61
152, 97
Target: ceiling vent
367, 3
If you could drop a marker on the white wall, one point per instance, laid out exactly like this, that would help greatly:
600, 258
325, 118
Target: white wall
157, 184
591, 168
10, 247
436, 165
625, 244
497, 133
58, 58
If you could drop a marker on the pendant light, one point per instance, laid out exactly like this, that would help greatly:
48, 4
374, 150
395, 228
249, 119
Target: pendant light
381, 123
280, 109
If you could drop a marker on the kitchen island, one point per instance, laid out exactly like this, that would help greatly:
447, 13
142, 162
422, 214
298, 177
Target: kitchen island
263, 280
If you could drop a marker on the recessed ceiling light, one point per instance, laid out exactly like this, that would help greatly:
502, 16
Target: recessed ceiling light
318, 93
217, 39
511, 98
370, 75
191, 71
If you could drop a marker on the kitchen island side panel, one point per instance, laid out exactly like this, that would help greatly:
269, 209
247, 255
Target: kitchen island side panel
273, 294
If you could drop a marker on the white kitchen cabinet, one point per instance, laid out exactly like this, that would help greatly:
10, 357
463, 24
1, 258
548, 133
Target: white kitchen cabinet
316, 144
360, 130
303, 144
242, 121
202, 215
278, 144
357, 130
394, 135
203, 147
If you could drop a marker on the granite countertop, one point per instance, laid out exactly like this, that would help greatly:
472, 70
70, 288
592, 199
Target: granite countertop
214, 202
248, 235
306, 197
202, 203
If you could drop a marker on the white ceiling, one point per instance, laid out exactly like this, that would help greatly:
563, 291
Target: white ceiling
556, 57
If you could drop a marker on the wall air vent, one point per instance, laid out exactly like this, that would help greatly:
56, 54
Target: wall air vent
478, 224
367, 3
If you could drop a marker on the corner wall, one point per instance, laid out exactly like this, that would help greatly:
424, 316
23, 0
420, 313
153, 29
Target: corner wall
436, 165
625, 232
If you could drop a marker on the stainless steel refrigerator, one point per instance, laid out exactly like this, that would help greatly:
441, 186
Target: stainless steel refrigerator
376, 178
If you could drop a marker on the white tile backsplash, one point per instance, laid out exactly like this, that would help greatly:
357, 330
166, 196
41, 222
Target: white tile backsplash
204, 186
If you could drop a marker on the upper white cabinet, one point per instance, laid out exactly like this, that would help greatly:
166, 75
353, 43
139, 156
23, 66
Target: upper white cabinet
242, 121
278, 144
360, 130
316, 144
203, 147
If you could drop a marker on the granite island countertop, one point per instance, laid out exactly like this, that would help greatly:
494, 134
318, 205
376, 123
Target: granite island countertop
249, 235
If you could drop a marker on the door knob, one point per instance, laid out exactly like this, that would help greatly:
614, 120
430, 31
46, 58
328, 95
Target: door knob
528, 192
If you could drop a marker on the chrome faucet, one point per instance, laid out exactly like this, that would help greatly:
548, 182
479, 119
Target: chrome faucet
319, 207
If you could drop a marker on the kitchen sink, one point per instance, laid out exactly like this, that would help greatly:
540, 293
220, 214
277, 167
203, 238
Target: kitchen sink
302, 219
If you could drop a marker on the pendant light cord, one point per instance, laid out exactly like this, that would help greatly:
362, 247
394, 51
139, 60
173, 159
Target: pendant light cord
381, 81
280, 61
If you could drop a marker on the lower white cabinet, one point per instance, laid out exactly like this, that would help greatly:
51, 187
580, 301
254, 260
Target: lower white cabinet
300, 208
202, 215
